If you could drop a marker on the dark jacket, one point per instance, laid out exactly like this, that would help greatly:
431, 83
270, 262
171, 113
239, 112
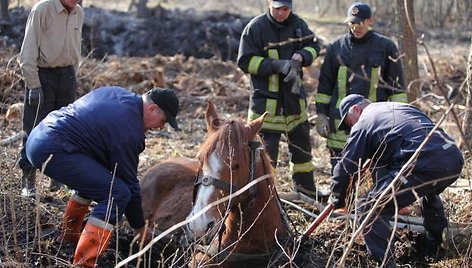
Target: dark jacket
107, 125
269, 92
389, 133
352, 66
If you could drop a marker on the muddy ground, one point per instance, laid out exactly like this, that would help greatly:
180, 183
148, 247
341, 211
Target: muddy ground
28, 226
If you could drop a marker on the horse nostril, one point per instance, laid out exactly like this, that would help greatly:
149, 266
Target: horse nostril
210, 225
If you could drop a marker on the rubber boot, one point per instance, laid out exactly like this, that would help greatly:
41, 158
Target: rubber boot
72, 223
92, 243
304, 183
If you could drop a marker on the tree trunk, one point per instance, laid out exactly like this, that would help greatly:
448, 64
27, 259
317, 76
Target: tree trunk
143, 11
405, 20
467, 122
4, 10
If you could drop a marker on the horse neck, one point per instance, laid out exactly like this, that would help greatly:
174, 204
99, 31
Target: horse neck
255, 224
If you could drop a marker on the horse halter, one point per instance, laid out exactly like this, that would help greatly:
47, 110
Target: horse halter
218, 183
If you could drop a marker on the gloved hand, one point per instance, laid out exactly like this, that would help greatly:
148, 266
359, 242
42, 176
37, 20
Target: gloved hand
337, 203
35, 97
297, 84
295, 68
144, 233
322, 125
281, 66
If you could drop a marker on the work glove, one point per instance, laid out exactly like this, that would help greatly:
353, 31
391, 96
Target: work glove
297, 84
322, 125
145, 235
295, 68
35, 97
281, 66
337, 203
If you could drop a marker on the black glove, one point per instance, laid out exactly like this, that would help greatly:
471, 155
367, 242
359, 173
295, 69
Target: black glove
281, 66
295, 68
35, 97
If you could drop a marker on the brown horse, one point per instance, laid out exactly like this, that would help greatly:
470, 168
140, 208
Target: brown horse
247, 226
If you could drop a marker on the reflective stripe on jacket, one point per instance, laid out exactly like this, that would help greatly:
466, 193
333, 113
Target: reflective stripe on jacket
268, 90
369, 66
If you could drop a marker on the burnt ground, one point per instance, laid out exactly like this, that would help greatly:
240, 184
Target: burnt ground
28, 227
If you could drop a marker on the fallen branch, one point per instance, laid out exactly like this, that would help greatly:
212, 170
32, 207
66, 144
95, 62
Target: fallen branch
12, 139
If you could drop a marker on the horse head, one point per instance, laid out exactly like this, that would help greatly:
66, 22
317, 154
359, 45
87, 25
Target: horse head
225, 167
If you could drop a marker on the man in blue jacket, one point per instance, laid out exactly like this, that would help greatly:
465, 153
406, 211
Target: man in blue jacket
388, 133
93, 146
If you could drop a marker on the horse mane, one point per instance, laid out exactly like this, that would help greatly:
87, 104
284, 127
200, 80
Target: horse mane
231, 135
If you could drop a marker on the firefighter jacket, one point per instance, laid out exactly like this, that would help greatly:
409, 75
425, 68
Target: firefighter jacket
389, 133
369, 66
269, 92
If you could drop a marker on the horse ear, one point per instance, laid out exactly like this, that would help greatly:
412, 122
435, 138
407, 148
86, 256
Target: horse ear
211, 117
256, 125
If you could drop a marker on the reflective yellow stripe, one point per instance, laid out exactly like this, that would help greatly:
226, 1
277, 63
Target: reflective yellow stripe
273, 78
337, 140
281, 123
254, 64
312, 51
399, 97
323, 98
342, 81
302, 167
374, 82
335, 144
271, 105
274, 83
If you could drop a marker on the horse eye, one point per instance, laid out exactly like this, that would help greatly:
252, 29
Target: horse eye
235, 167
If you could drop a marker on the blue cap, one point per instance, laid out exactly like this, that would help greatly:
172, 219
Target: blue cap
344, 106
358, 12
282, 3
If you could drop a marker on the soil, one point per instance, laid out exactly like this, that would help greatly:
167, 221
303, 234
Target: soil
29, 227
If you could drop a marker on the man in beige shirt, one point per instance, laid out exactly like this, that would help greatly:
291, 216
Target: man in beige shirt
49, 60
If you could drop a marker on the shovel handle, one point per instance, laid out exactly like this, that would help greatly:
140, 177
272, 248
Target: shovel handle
318, 220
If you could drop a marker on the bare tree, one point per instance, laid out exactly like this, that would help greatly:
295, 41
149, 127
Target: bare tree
467, 123
4, 10
405, 20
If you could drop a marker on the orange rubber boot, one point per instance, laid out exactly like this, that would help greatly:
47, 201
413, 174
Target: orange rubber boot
92, 243
72, 223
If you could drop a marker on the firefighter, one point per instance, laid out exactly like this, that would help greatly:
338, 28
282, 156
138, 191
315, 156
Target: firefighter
93, 146
388, 133
361, 62
273, 48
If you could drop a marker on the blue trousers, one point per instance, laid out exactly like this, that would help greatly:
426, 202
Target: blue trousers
82, 173
427, 185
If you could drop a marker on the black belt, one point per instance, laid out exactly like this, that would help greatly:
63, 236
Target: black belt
58, 69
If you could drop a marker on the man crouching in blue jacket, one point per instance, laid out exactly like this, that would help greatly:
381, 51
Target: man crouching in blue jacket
93, 146
389, 133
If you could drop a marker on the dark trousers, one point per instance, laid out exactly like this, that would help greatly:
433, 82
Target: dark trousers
427, 184
299, 145
82, 173
59, 88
